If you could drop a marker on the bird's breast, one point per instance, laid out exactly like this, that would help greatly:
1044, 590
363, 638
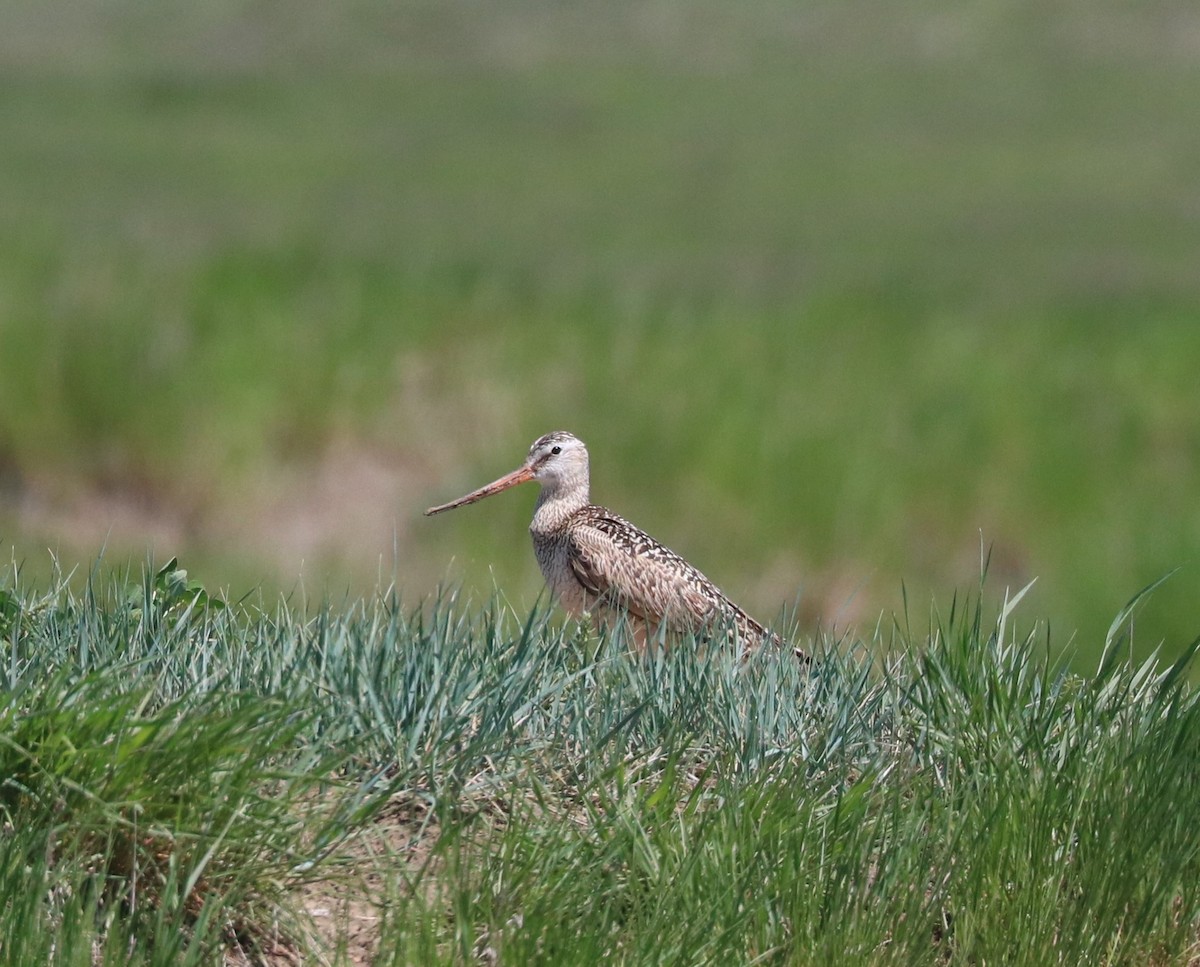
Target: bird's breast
554, 560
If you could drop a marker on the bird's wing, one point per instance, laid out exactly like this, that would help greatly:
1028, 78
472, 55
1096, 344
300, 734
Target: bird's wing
627, 569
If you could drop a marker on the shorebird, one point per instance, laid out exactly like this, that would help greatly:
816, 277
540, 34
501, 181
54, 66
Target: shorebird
599, 565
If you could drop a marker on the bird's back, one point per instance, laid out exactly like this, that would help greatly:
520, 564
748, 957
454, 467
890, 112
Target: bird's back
598, 562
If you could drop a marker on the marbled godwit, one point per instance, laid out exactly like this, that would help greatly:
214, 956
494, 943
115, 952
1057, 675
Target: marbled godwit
599, 564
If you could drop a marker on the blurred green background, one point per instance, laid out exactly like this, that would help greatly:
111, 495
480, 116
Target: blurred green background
836, 292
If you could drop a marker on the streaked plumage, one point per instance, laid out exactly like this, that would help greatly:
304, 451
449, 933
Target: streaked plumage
600, 564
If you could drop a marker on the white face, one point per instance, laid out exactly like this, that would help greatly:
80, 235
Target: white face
556, 457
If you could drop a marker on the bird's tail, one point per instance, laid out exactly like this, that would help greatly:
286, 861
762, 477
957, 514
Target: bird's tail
753, 635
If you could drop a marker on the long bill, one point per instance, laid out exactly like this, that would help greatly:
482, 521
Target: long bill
519, 476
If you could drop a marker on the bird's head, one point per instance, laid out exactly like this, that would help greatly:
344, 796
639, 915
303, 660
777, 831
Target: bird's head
558, 461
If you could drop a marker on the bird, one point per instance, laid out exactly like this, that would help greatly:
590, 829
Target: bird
601, 566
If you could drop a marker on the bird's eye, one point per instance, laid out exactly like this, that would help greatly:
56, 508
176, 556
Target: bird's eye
556, 450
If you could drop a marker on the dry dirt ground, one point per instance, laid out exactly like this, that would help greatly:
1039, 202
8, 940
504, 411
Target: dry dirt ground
342, 913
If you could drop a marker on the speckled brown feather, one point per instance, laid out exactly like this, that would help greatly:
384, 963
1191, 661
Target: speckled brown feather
627, 570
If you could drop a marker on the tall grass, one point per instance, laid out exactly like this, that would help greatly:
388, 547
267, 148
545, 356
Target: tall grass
179, 773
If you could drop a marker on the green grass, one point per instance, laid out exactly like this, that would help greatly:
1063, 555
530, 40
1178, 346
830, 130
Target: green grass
831, 291
186, 777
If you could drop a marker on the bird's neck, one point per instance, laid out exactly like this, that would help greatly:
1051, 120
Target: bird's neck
555, 505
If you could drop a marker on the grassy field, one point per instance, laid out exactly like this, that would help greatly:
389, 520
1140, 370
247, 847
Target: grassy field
190, 781
836, 293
